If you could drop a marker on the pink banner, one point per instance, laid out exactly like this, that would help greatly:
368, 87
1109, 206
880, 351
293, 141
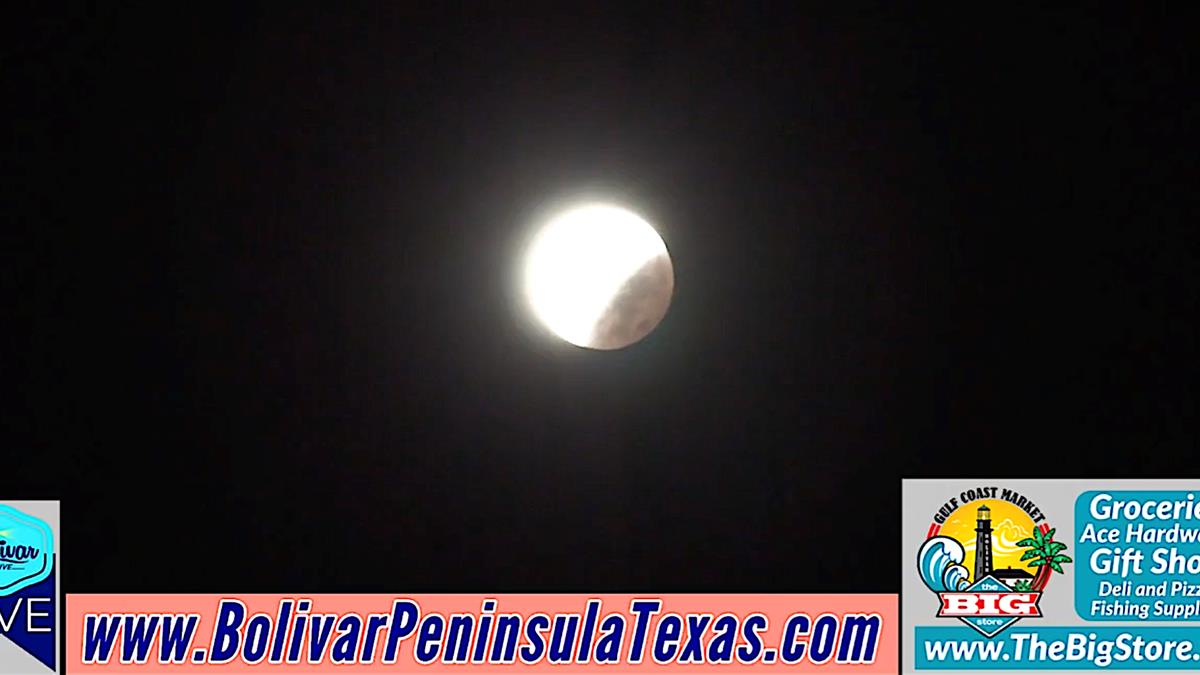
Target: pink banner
258, 633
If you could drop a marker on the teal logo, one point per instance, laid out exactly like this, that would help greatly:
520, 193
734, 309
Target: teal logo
26, 550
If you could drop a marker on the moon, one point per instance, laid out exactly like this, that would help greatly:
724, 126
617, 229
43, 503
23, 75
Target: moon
599, 276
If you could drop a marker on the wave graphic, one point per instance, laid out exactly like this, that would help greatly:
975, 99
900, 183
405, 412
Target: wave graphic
940, 565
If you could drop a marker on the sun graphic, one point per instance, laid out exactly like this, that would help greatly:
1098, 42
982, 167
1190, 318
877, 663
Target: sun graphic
1010, 525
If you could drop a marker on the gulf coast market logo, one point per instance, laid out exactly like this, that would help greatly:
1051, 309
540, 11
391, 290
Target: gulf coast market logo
989, 554
28, 589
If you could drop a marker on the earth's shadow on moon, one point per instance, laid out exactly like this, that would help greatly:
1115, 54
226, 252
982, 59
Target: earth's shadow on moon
637, 307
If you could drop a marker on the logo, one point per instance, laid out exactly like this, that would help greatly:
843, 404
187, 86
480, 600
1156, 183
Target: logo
28, 587
26, 550
988, 556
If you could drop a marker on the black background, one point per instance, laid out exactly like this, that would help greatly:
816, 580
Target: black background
260, 268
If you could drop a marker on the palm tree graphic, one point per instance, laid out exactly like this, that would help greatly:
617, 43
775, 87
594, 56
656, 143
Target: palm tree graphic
1045, 554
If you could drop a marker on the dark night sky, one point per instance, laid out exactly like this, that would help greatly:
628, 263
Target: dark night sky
259, 269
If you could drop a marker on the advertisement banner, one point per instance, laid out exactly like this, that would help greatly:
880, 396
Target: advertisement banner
429, 633
1027, 575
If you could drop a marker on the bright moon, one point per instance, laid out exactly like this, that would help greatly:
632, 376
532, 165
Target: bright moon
599, 276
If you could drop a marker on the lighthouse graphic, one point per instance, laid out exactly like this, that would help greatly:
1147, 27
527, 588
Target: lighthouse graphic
983, 542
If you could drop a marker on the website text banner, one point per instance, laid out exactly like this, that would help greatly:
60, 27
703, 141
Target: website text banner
431, 633
1035, 575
